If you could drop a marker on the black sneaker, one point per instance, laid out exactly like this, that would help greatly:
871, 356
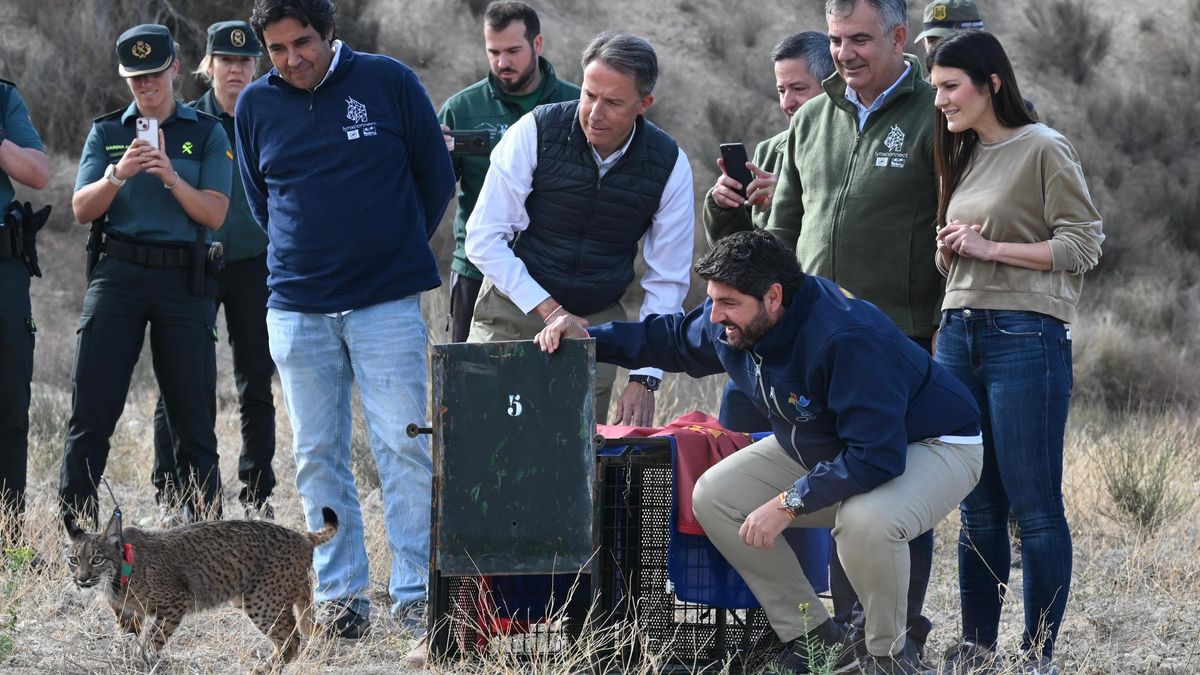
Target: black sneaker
905, 663
412, 618
919, 629
259, 510
344, 622
968, 657
824, 649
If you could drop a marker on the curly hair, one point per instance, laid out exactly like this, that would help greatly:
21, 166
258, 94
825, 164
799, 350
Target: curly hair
751, 262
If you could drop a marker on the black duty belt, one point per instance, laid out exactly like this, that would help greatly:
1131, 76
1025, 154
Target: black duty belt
148, 256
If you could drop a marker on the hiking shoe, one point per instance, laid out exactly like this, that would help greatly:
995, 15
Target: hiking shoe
824, 649
412, 618
344, 622
968, 657
418, 656
168, 516
259, 511
905, 663
1039, 665
919, 629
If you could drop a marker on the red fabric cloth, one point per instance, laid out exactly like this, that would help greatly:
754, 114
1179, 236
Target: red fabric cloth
700, 442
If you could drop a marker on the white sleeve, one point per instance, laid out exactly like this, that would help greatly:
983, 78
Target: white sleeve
667, 248
499, 216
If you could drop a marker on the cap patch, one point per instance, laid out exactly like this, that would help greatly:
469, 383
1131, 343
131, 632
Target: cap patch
141, 50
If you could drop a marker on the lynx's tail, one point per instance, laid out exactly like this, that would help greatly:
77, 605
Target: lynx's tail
323, 535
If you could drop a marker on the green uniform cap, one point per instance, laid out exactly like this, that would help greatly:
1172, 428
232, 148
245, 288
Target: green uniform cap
145, 49
944, 18
232, 38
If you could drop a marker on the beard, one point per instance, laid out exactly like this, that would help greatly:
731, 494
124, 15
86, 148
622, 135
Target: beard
523, 79
745, 337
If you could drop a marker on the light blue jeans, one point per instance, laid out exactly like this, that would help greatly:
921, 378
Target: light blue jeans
383, 348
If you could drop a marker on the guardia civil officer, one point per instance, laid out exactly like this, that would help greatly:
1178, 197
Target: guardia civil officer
155, 207
230, 63
22, 159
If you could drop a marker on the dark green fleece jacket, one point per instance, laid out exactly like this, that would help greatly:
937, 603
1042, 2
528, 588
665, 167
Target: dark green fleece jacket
859, 207
719, 222
484, 105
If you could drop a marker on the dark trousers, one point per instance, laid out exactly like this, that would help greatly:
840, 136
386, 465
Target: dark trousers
242, 288
16, 373
464, 291
121, 299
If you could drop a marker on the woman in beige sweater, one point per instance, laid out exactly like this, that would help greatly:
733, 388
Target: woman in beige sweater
1017, 230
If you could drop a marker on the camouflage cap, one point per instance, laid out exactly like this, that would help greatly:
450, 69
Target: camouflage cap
145, 49
232, 38
944, 18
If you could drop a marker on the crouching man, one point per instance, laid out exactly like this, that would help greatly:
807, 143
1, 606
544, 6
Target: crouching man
871, 438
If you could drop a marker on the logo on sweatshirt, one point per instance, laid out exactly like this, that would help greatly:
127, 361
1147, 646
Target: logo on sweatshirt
800, 403
356, 112
895, 157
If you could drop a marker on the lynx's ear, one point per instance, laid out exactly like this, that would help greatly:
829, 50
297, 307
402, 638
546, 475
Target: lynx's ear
74, 531
112, 531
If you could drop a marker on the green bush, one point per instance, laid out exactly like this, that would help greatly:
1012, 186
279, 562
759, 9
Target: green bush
1146, 466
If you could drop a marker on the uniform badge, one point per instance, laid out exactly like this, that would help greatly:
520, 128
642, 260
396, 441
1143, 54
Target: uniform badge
939, 13
141, 49
238, 38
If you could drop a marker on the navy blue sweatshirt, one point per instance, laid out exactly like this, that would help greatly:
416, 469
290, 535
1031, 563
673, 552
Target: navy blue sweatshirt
845, 390
349, 181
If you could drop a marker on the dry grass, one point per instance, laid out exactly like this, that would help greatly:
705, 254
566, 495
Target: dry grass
1133, 601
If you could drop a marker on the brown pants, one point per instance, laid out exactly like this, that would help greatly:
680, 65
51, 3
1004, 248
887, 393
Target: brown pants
497, 319
872, 531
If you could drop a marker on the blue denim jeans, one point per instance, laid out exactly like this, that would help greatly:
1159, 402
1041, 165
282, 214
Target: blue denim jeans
383, 349
1018, 367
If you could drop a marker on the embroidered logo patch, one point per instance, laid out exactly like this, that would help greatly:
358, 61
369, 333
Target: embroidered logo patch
187, 147
800, 403
356, 112
939, 12
895, 157
238, 38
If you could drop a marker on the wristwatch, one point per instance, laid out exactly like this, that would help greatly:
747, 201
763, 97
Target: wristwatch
648, 381
791, 501
110, 175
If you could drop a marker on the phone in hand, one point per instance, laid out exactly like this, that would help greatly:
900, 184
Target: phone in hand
734, 156
467, 143
147, 130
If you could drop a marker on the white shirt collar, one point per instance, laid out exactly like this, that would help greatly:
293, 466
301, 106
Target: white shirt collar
337, 52
864, 111
605, 164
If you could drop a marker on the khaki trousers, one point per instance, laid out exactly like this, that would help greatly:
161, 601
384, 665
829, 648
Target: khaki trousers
872, 531
497, 318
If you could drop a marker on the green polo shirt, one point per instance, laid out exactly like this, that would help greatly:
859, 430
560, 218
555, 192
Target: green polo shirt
485, 105
143, 208
240, 235
17, 128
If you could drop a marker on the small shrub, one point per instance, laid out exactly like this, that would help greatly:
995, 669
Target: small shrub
716, 42
1144, 465
1069, 36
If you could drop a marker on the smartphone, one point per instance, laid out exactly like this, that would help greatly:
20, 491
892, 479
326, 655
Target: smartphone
147, 130
734, 156
468, 143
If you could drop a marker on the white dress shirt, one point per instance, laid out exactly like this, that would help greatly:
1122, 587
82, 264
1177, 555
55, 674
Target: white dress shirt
499, 216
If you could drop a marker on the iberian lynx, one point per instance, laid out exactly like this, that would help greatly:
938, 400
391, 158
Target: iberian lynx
152, 578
